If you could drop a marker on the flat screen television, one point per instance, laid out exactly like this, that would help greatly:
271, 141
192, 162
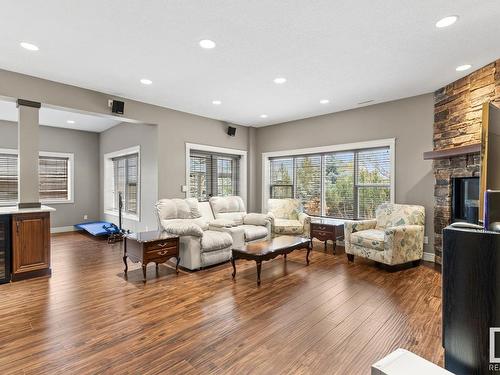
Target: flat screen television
490, 155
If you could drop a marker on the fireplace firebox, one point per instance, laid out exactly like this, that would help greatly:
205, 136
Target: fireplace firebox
465, 200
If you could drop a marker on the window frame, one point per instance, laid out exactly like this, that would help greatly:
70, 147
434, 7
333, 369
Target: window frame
71, 175
109, 182
217, 150
358, 146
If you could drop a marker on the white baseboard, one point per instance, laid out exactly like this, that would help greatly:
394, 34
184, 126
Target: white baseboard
429, 257
69, 228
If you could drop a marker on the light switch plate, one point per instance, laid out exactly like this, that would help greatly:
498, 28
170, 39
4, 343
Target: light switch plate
426, 240
184, 188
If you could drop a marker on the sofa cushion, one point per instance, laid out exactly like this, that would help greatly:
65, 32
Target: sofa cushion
229, 208
214, 240
283, 226
256, 219
254, 232
178, 209
182, 227
370, 238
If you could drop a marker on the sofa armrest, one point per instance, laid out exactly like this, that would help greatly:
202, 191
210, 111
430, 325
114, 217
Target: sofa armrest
221, 223
183, 229
256, 219
305, 220
404, 243
352, 226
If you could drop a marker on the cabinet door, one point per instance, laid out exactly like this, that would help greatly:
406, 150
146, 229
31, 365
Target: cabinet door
30, 242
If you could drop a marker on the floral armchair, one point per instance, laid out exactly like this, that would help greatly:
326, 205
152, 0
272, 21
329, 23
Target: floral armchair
288, 217
396, 236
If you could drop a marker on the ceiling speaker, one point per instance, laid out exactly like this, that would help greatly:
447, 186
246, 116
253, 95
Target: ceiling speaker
231, 131
118, 107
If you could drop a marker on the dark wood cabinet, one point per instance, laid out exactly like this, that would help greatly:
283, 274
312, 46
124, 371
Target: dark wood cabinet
471, 299
30, 245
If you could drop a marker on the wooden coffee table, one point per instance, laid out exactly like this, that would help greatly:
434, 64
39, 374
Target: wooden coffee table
270, 249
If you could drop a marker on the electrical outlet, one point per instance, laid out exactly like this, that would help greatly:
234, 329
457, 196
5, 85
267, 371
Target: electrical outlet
426, 240
85, 217
110, 103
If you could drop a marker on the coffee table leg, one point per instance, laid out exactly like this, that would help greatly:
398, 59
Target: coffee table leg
307, 255
126, 265
259, 266
233, 262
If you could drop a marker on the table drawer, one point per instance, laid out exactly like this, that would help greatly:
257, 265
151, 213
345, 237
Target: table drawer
323, 235
161, 244
323, 228
162, 252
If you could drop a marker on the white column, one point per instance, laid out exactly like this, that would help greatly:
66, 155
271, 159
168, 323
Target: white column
28, 149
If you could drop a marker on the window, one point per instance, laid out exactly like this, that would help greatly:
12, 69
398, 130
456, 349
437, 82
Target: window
55, 173
347, 184
122, 176
213, 174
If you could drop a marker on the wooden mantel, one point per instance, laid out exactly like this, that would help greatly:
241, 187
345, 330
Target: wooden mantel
451, 152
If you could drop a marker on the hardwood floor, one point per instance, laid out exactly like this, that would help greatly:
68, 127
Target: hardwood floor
330, 317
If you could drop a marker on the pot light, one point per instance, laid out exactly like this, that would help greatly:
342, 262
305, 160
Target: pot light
324, 101
263, 116
216, 102
146, 81
207, 44
279, 80
29, 46
70, 121
446, 21
461, 68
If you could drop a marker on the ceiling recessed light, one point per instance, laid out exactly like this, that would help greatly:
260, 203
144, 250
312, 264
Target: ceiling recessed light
263, 116
146, 81
446, 21
279, 80
70, 121
29, 46
461, 68
324, 101
216, 102
207, 44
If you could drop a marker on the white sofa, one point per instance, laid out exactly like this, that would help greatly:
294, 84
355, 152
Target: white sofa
200, 246
230, 215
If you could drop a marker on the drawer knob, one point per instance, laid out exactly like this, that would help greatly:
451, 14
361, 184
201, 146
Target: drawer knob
162, 244
163, 252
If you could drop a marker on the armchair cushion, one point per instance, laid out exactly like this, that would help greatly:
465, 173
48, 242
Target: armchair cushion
215, 240
371, 238
284, 226
288, 209
392, 215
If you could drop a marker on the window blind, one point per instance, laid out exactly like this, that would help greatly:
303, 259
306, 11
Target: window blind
54, 184
213, 174
53, 178
8, 178
347, 184
126, 177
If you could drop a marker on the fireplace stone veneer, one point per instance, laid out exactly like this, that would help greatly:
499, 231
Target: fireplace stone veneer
457, 122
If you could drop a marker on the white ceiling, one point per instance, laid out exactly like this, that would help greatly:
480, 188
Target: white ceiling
345, 51
59, 118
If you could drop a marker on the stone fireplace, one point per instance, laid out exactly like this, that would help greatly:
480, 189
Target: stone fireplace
457, 126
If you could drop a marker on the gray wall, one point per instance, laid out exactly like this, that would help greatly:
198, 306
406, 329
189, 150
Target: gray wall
410, 121
174, 128
123, 136
85, 147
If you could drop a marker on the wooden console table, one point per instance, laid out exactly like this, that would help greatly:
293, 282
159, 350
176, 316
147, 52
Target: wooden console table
152, 246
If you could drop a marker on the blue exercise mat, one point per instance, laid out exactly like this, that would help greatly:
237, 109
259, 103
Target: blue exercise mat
98, 228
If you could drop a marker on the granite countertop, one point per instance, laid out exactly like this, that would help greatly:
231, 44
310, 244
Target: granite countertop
8, 210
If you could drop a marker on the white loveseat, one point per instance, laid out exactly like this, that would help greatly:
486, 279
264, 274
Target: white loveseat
199, 245
230, 215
